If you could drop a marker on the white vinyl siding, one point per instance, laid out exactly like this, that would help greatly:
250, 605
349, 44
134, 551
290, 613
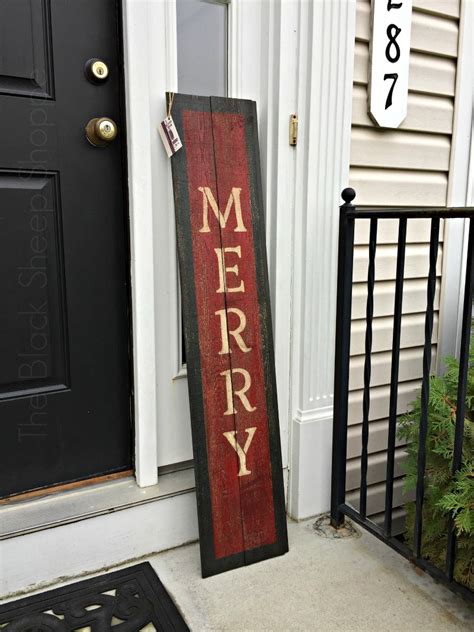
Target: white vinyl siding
408, 166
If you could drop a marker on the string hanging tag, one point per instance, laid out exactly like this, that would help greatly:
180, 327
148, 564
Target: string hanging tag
167, 129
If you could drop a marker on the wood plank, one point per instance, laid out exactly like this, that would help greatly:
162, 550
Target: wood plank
65, 487
229, 349
234, 125
426, 113
377, 147
428, 74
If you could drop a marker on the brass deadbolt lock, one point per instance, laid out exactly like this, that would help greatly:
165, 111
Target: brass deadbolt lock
96, 70
101, 131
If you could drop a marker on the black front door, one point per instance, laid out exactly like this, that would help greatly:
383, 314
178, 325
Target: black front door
64, 330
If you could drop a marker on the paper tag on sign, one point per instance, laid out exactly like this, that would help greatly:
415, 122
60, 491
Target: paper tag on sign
169, 136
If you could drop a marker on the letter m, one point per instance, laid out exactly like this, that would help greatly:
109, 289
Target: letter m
209, 200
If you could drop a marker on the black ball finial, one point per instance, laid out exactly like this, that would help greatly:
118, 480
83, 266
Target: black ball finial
348, 195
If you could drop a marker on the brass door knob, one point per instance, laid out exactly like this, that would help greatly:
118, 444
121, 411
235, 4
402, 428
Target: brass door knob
101, 131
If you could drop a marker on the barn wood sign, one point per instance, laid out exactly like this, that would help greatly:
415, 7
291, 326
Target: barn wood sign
389, 61
228, 335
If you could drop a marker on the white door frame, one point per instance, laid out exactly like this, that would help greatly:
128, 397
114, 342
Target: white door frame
459, 194
261, 67
268, 42
139, 84
160, 388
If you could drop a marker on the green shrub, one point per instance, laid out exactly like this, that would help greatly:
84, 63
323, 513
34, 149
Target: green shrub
445, 495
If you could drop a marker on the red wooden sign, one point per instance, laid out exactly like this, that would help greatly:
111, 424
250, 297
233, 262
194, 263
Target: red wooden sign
228, 335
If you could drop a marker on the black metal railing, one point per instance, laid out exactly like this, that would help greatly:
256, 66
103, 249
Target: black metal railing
339, 507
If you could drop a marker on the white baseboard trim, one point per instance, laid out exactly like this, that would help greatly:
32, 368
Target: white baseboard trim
56, 509
311, 459
36, 560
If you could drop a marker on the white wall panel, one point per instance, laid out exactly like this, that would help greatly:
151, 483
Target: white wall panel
376, 497
414, 297
426, 113
416, 262
430, 33
395, 187
411, 367
379, 401
408, 166
376, 468
438, 7
428, 73
398, 520
375, 147
378, 438
418, 231
412, 334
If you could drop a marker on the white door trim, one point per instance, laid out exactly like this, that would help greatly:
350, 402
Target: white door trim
301, 210
255, 32
326, 62
146, 57
455, 244
263, 43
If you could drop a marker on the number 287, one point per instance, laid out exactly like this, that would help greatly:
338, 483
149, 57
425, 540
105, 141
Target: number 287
392, 52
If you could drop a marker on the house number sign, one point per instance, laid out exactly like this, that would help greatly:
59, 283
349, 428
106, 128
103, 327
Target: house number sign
390, 60
227, 331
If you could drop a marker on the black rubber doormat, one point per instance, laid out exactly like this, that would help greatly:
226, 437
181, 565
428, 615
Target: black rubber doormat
129, 600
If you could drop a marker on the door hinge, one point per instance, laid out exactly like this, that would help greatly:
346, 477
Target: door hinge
293, 129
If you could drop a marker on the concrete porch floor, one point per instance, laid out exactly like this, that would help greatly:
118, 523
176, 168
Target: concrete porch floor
322, 584
352, 584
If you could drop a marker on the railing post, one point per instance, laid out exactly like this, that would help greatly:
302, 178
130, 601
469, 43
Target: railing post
364, 457
343, 341
394, 372
462, 389
425, 388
